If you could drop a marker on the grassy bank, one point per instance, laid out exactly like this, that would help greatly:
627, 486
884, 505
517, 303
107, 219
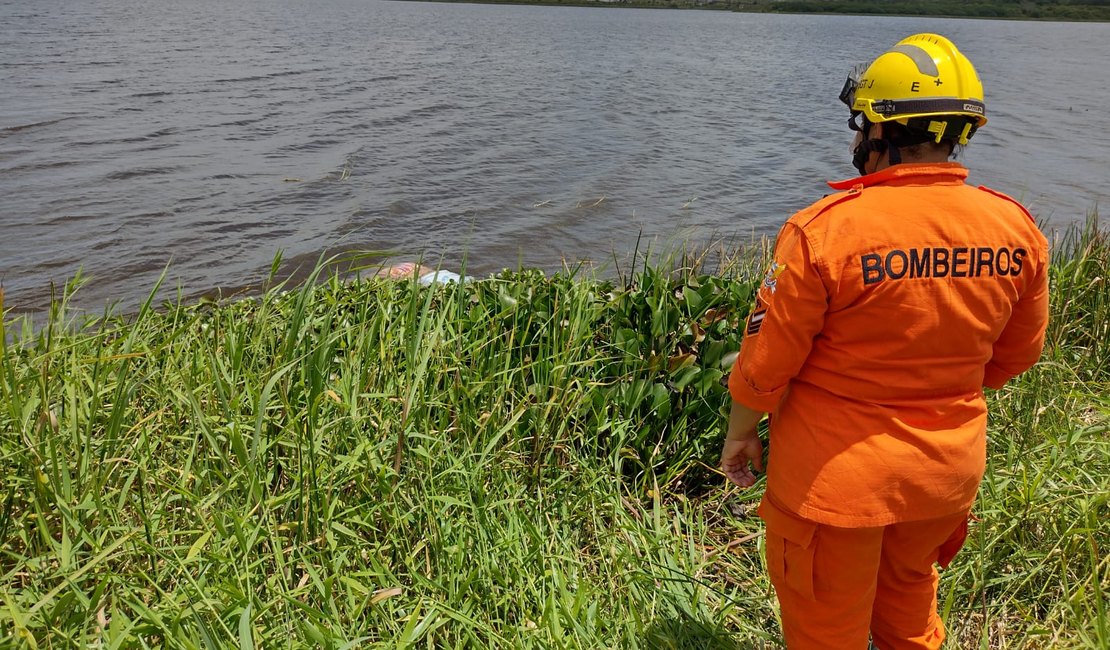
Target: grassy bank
519, 462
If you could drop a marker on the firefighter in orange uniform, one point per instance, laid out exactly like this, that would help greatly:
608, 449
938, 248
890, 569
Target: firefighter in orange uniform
888, 308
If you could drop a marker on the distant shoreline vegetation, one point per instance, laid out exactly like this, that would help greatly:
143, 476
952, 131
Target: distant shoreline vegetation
1088, 10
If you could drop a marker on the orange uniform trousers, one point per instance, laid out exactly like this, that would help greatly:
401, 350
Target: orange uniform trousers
836, 585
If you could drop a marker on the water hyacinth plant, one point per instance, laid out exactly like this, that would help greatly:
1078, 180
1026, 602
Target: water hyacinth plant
523, 461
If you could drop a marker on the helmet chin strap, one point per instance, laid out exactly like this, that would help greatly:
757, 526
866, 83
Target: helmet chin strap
862, 153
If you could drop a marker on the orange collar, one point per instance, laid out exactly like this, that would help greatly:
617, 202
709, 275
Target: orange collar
948, 173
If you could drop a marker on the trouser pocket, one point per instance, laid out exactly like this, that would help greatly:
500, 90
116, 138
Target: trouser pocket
790, 543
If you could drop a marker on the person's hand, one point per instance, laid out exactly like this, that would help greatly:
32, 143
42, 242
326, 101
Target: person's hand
742, 451
739, 457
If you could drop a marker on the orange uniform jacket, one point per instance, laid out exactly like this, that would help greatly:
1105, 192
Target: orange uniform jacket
888, 308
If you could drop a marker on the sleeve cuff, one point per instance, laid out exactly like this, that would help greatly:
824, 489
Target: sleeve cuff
993, 377
744, 393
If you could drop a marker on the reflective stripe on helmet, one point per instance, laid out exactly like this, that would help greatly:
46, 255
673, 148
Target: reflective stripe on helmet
925, 63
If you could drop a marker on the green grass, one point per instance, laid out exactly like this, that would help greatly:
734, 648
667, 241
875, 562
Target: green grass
519, 462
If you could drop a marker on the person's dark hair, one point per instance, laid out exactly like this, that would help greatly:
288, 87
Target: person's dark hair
913, 143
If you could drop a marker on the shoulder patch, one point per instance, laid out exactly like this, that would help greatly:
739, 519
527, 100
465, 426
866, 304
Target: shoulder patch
803, 218
1011, 200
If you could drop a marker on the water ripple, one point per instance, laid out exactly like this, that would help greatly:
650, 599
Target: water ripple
215, 134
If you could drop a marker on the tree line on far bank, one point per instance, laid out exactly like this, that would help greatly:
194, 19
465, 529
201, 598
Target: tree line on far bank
1025, 9
1093, 10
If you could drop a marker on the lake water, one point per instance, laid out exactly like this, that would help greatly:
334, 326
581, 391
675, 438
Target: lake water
211, 134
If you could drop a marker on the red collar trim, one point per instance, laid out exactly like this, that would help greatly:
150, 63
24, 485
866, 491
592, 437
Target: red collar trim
935, 172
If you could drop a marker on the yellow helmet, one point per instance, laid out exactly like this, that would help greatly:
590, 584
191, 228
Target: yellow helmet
919, 82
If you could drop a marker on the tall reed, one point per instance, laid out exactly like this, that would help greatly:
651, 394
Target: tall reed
521, 461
